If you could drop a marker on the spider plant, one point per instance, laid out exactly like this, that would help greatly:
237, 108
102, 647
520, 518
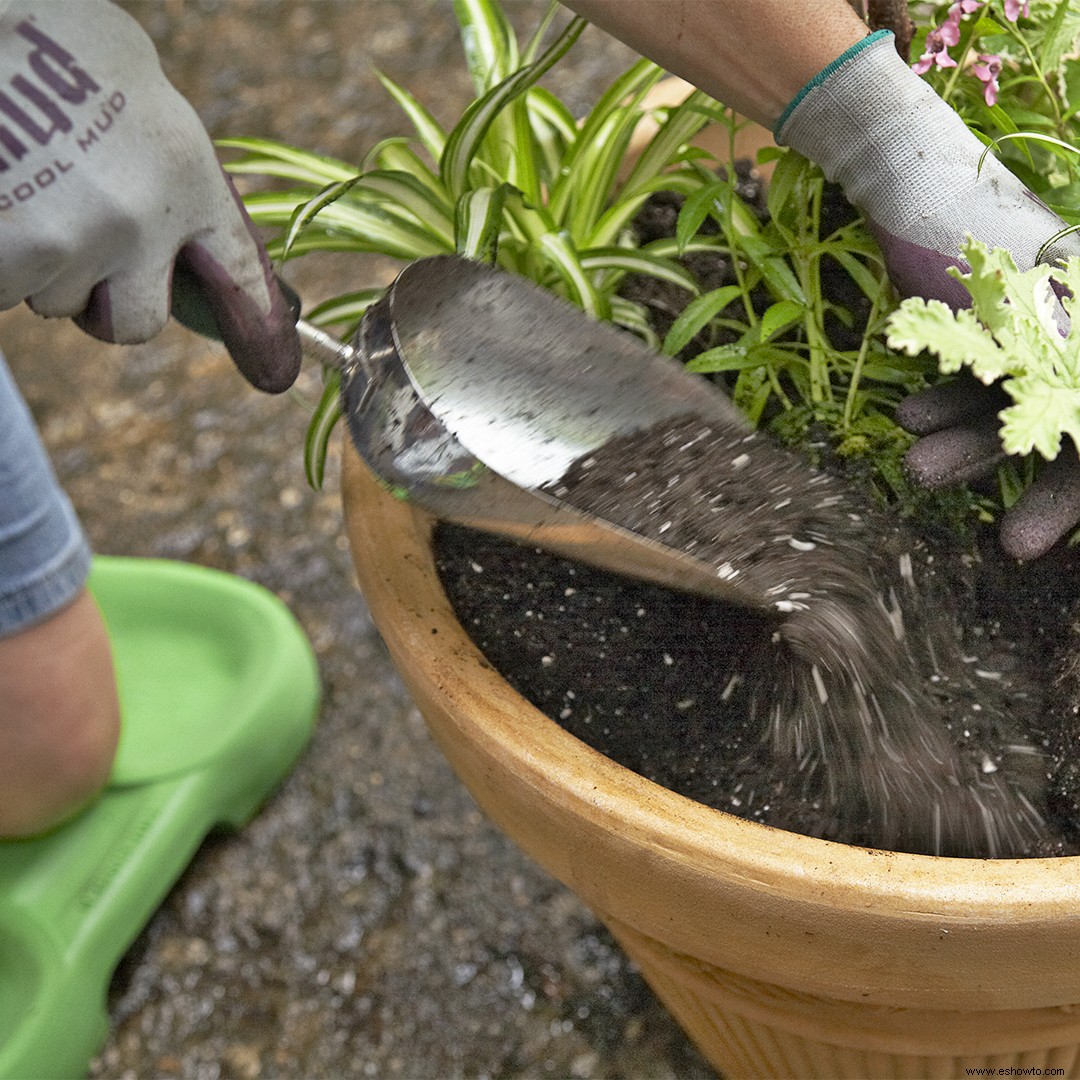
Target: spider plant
517, 180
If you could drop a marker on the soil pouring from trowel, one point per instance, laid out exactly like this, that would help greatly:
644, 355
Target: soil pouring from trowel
497, 405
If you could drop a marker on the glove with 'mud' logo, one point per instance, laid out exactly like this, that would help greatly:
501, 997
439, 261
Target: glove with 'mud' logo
108, 179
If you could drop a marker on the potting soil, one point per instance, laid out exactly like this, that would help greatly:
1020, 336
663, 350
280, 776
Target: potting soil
867, 706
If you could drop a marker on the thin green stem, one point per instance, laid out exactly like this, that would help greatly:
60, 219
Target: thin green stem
957, 71
1037, 71
860, 360
807, 260
729, 221
778, 389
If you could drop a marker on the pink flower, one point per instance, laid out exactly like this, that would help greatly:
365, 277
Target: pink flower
1015, 8
960, 10
937, 50
966, 7
942, 38
987, 71
949, 30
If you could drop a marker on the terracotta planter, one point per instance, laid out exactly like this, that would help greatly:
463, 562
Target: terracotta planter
780, 955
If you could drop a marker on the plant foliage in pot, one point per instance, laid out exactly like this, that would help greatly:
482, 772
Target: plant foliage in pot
781, 954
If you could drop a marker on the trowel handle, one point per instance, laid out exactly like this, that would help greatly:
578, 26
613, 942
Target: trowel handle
190, 309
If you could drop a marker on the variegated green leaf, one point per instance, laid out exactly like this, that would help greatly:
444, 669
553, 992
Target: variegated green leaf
639, 261
478, 222
427, 128
1029, 136
305, 213
669, 247
345, 310
314, 239
365, 226
634, 317
526, 222
396, 155
463, 141
560, 254
488, 42
630, 87
681, 125
625, 207
527, 162
553, 130
411, 194
598, 168
265, 157
327, 414
534, 44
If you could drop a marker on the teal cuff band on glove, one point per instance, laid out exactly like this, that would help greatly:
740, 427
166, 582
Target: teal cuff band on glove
844, 58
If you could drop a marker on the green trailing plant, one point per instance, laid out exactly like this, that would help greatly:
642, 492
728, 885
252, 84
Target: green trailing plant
779, 357
1010, 69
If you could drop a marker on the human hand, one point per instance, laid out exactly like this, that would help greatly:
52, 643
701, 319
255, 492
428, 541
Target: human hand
959, 442
907, 160
108, 179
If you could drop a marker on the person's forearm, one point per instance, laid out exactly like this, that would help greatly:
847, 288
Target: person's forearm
753, 55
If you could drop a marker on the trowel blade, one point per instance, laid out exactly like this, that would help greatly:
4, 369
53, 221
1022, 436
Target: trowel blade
525, 381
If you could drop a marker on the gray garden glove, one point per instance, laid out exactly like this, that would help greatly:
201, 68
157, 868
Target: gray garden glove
907, 160
108, 179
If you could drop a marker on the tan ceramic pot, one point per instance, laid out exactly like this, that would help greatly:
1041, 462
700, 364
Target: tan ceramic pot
780, 955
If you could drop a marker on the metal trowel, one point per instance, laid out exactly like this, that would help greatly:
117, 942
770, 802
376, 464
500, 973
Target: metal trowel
472, 391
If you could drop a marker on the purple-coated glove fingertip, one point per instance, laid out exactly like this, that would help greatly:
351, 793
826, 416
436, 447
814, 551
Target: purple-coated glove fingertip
1046, 511
918, 271
949, 405
96, 318
264, 346
955, 456
1028, 538
268, 354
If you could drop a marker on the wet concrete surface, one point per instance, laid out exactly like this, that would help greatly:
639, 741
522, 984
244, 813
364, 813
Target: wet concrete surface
369, 921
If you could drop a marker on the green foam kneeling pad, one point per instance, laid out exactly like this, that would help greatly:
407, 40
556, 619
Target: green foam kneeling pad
219, 689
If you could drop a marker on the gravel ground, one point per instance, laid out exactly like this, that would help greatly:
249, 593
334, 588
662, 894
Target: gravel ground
370, 921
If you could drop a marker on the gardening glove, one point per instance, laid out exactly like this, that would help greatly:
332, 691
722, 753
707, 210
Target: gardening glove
907, 160
108, 179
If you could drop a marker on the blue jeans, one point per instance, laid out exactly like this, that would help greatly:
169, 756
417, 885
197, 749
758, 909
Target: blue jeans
44, 554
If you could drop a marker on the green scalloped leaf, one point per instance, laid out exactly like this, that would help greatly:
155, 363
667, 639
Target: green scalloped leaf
957, 338
1011, 334
1042, 413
